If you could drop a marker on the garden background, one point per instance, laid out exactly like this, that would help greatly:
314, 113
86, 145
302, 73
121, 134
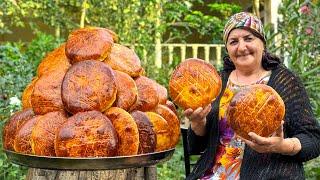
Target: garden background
146, 22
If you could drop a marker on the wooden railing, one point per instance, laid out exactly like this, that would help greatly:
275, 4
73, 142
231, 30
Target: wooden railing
208, 52
168, 52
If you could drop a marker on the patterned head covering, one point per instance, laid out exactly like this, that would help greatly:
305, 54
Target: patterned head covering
244, 20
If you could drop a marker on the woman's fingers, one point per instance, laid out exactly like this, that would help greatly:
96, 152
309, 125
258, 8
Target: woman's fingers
258, 139
198, 113
188, 112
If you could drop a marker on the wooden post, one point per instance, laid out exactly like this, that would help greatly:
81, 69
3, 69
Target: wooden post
158, 57
206, 53
170, 47
144, 173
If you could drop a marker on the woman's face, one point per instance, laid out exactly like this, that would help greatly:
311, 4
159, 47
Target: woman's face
245, 49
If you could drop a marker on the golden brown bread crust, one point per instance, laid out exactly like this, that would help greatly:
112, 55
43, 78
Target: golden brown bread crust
88, 85
90, 43
124, 59
173, 123
127, 131
127, 91
113, 35
44, 131
258, 109
26, 95
12, 126
46, 95
161, 128
162, 93
194, 83
147, 136
172, 107
86, 134
53, 61
22, 140
147, 94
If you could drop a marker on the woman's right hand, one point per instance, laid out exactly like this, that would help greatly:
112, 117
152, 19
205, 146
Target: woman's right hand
197, 119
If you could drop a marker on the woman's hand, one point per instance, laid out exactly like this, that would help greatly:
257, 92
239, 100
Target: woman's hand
197, 119
274, 144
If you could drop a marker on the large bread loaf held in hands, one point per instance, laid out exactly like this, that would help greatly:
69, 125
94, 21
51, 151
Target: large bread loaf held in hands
257, 109
194, 83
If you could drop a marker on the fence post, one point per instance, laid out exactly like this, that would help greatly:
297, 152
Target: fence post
183, 52
206, 53
194, 51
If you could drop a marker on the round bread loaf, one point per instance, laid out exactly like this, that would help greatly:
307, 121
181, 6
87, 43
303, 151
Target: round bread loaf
172, 107
124, 59
113, 35
127, 91
162, 93
12, 125
88, 85
147, 136
90, 43
26, 95
127, 131
194, 83
54, 60
162, 130
44, 131
147, 94
86, 134
173, 123
22, 140
46, 95
257, 108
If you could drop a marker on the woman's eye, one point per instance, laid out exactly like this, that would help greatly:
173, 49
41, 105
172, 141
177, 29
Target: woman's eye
248, 39
232, 42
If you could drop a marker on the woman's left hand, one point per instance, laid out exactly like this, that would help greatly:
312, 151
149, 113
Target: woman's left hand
273, 144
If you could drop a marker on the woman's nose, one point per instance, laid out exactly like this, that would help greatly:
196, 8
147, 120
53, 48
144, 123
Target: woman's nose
242, 46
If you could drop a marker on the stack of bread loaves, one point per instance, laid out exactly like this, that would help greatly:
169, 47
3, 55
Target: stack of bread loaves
90, 98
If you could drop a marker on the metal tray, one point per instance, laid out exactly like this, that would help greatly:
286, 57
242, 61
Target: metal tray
98, 163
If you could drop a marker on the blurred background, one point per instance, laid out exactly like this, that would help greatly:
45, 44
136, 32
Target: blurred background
163, 33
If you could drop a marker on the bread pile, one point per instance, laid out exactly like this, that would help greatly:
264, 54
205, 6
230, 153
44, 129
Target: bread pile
90, 98
194, 83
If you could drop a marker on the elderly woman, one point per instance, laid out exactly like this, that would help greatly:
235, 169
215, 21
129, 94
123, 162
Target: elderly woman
227, 156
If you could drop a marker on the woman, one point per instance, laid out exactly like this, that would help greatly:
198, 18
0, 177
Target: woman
227, 156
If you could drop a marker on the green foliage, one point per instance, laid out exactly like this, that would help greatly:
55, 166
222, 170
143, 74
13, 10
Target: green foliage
174, 168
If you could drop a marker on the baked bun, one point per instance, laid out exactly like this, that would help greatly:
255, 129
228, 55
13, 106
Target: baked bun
173, 123
127, 131
172, 107
194, 83
124, 59
88, 85
86, 134
26, 95
22, 140
54, 60
12, 126
127, 91
46, 95
44, 131
257, 109
147, 136
162, 93
90, 43
161, 128
147, 94
113, 35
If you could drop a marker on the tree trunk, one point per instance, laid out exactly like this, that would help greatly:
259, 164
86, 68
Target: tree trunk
144, 173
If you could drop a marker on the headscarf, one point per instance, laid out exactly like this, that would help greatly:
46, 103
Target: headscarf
244, 20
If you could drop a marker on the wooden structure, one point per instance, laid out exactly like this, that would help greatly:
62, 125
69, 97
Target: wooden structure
143, 173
